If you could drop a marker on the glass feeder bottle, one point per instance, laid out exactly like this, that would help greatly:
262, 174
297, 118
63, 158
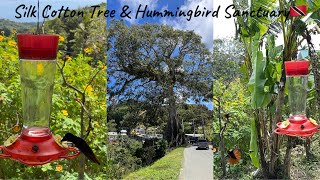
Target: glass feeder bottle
297, 81
37, 70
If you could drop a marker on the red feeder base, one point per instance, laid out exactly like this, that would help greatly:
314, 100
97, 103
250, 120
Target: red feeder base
35, 151
300, 128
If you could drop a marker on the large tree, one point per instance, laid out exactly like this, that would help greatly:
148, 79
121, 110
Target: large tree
160, 65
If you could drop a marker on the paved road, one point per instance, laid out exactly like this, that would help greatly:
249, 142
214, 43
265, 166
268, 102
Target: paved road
197, 164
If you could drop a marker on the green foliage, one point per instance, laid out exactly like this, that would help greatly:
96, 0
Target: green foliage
257, 81
228, 55
253, 145
131, 114
167, 167
122, 158
151, 151
82, 34
234, 100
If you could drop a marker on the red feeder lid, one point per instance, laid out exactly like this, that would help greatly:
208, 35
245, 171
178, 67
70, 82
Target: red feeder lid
296, 68
37, 47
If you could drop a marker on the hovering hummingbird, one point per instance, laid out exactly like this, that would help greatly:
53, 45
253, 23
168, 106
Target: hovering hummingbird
234, 156
82, 146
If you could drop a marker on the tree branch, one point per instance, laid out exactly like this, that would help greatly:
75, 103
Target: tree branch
64, 78
93, 77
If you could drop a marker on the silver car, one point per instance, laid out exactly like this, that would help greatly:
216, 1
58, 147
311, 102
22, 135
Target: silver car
203, 144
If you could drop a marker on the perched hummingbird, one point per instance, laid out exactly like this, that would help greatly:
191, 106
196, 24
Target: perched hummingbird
81, 145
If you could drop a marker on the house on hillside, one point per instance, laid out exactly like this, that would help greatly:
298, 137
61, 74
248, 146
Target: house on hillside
123, 132
112, 136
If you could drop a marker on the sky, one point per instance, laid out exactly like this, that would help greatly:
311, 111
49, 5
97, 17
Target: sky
202, 26
223, 27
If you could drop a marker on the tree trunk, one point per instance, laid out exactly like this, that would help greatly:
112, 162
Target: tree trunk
261, 146
204, 135
82, 158
278, 117
287, 158
307, 145
221, 144
222, 153
172, 128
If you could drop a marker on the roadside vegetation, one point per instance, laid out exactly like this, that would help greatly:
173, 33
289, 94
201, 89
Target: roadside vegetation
167, 167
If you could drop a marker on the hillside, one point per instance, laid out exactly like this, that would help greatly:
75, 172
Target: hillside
7, 26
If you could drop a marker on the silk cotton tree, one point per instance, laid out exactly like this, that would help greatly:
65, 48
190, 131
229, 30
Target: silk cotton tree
160, 65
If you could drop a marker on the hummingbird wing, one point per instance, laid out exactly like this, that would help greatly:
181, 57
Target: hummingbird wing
81, 145
86, 150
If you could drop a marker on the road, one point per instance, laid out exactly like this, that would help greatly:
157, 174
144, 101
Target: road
197, 165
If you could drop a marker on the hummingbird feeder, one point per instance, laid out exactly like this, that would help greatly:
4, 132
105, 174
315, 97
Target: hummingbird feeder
36, 145
297, 124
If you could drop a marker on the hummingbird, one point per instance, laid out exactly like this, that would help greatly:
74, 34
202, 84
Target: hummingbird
234, 156
81, 145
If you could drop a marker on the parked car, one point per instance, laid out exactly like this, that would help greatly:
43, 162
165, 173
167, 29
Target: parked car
203, 144
193, 140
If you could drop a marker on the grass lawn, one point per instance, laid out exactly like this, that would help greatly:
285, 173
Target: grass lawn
165, 168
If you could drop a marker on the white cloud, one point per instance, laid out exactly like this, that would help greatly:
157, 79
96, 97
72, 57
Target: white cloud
202, 26
134, 5
223, 27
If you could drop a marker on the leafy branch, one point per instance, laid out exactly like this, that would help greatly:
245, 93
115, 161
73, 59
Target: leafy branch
84, 109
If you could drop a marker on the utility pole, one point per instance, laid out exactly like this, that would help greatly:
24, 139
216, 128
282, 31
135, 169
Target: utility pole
193, 128
204, 135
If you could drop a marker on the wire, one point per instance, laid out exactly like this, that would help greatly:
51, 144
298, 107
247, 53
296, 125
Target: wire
38, 23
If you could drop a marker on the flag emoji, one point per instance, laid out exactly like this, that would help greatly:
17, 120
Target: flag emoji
298, 10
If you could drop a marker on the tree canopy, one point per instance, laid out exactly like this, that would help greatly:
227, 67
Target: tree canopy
158, 64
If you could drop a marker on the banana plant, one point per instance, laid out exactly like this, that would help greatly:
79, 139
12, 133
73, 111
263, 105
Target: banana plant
267, 77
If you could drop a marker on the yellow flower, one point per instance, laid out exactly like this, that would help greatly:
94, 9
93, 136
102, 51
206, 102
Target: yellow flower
68, 58
59, 168
104, 67
40, 69
16, 128
65, 112
61, 39
1, 38
12, 43
214, 150
88, 50
89, 89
